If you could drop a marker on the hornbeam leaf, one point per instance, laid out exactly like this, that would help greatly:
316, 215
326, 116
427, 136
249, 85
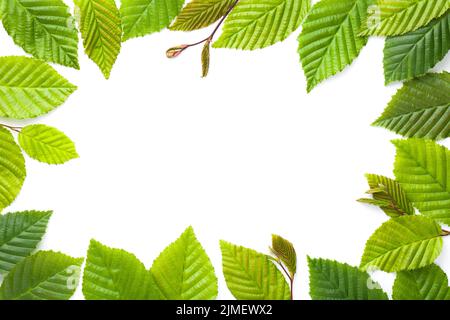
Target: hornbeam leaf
30, 88
413, 54
429, 283
142, 17
20, 233
285, 251
404, 243
45, 275
331, 280
47, 144
423, 169
101, 29
256, 24
12, 169
199, 14
114, 274
329, 41
251, 275
183, 271
395, 17
42, 28
420, 109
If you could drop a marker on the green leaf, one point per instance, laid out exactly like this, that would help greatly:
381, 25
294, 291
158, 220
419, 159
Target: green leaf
256, 24
12, 169
47, 144
429, 283
142, 17
43, 28
423, 169
285, 251
46, 275
420, 109
199, 14
395, 17
183, 271
20, 233
329, 42
114, 274
331, 280
393, 198
101, 29
251, 275
206, 59
404, 243
30, 88
413, 54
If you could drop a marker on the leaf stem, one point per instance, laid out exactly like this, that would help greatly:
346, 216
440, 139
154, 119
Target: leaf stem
12, 128
291, 278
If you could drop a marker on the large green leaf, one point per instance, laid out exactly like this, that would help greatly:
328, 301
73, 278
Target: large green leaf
114, 274
255, 24
47, 144
423, 169
142, 17
20, 233
404, 243
420, 109
46, 275
199, 14
251, 275
429, 283
101, 29
30, 88
285, 252
12, 169
395, 17
183, 271
42, 28
331, 280
413, 54
329, 41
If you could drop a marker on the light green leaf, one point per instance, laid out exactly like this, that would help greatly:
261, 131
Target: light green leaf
404, 243
142, 17
423, 169
199, 14
395, 17
12, 169
285, 251
413, 54
30, 88
20, 233
251, 275
114, 274
46, 275
183, 271
429, 283
329, 42
42, 28
420, 109
256, 24
101, 29
47, 144
331, 280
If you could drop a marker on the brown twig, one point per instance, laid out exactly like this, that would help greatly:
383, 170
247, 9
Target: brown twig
12, 128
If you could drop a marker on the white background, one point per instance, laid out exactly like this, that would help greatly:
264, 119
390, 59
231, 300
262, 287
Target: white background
239, 155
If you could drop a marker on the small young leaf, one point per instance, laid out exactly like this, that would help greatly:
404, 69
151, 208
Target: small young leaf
404, 243
114, 274
30, 88
285, 251
45, 275
199, 14
47, 144
429, 283
206, 59
251, 275
331, 280
183, 271
420, 109
20, 233
256, 24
